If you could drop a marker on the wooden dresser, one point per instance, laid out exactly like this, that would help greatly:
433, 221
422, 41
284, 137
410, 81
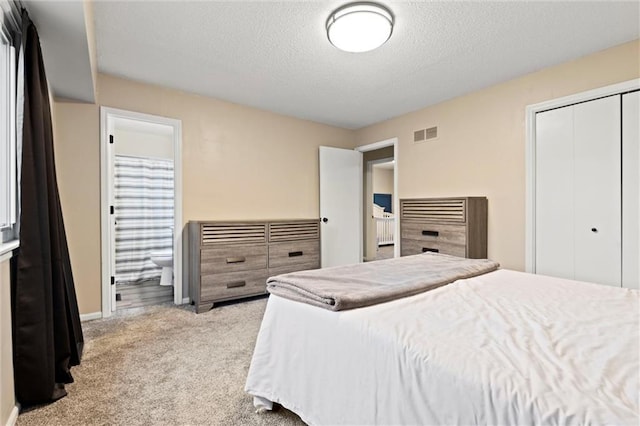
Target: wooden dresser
455, 226
231, 260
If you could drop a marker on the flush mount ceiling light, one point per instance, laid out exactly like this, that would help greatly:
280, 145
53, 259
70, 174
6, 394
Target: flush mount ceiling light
359, 27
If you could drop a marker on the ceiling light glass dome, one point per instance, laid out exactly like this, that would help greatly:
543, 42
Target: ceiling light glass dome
359, 27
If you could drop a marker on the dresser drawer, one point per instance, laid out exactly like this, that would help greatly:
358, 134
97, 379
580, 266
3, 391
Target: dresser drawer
411, 246
232, 284
435, 232
233, 258
293, 253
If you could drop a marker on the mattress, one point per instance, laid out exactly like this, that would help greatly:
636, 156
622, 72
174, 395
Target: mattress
502, 348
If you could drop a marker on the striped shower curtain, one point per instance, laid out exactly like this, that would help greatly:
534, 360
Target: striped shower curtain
144, 215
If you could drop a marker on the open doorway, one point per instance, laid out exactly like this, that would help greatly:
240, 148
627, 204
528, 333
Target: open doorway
384, 217
380, 201
346, 202
142, 218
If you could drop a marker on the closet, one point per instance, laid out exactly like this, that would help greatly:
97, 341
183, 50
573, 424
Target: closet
587, 190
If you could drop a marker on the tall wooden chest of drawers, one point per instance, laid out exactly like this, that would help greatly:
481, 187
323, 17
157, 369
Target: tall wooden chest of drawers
455, 226
231, 260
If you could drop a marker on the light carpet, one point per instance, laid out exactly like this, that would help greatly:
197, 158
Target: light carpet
165, 365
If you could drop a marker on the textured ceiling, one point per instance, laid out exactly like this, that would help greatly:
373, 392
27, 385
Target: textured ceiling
275, 55
65, 47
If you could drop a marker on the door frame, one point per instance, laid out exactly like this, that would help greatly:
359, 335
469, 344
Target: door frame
530, 153
107, 115
396, 201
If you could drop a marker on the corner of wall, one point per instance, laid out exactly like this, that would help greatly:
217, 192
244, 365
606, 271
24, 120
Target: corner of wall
91, 44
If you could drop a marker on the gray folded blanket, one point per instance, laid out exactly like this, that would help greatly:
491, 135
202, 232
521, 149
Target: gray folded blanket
364, 284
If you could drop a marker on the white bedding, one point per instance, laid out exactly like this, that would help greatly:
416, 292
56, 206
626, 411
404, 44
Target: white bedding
502, 348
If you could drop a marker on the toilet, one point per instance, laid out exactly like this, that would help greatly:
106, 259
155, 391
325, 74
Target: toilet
164, 259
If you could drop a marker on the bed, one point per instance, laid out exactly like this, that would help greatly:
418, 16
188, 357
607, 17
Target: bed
504, 347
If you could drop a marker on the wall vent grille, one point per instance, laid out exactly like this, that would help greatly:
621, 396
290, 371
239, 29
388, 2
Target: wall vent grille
424, 135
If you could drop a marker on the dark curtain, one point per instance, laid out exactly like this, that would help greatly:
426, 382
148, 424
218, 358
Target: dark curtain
47, 336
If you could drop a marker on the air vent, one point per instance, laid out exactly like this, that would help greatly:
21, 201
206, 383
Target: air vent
289, 231
233, 233
423, 135
451, 210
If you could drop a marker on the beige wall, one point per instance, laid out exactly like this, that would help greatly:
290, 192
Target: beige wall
77, 151
238, 163
7, 398
382, 181
481, 144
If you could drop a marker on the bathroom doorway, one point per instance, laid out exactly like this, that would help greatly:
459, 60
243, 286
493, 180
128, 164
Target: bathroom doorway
141, 209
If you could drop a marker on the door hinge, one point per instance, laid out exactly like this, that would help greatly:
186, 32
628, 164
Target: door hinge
111, 209
113, 280
110, 138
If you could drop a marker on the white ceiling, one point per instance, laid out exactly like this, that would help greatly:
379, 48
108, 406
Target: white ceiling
275, 55
65, 47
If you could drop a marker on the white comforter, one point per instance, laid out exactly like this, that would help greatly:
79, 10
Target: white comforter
502, 348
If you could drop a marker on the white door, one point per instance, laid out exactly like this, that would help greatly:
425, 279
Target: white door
554, 231
631, 190
578, 196
340, 206
598, 198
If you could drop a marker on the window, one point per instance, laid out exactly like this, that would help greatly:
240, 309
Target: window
8, 133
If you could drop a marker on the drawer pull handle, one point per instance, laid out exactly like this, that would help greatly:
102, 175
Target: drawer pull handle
426, 249
236, 259
295, 253
430, 233
237, 284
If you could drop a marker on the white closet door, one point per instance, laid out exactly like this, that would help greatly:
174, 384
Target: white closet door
578, 195
597, 169
554, 193
630, 190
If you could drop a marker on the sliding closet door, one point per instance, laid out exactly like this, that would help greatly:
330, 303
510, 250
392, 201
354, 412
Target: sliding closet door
597, 203
630, 190
554, 193
578, 195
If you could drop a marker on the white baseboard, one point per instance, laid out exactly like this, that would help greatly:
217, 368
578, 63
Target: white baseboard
186, 301
90, 316
13, 417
